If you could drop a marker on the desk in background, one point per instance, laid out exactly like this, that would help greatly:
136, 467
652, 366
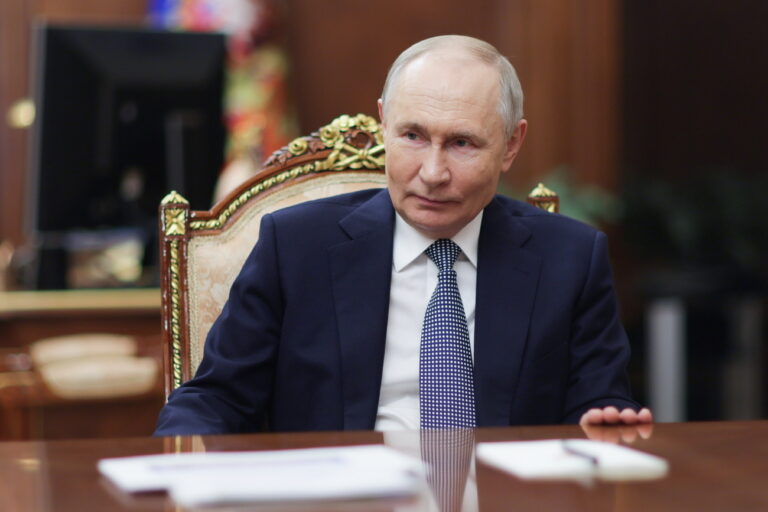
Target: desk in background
28, 410
713, 467
26, 317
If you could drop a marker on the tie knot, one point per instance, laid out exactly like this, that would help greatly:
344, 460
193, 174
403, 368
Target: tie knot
444, 253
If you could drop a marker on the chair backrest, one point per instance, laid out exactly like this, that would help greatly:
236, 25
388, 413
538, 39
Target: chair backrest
202, 251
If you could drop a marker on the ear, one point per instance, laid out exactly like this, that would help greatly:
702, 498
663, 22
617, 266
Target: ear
514, 144
381, 113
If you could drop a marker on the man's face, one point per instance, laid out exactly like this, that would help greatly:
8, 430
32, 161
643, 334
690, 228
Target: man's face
445, 142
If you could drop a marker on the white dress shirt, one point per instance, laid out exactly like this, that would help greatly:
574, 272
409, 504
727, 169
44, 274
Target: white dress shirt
414, 277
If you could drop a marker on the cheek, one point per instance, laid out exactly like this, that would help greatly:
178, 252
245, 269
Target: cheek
400, 166
476, 182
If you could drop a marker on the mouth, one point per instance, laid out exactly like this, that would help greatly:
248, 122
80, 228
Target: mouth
431, 202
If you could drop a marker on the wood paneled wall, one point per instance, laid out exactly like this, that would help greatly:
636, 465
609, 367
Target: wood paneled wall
567, 55
695, 91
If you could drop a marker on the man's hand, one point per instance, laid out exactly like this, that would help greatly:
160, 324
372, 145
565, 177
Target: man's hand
595, 423
611, 416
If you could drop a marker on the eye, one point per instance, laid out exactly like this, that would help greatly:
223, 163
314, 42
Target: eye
411, 136
462, 143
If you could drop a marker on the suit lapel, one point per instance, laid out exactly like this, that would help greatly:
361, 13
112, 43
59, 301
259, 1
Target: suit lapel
360, 276
507, 279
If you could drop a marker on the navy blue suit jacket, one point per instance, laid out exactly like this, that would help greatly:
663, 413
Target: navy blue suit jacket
300, 343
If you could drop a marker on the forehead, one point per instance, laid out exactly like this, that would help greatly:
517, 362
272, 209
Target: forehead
453, 87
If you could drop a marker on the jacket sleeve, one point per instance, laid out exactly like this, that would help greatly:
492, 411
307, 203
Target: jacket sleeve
599, 348
232, 389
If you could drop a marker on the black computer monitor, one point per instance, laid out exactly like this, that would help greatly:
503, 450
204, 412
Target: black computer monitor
124, 115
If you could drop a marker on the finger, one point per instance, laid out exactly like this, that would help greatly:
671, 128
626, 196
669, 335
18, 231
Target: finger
645, 416
592, 417
628, 417
611, 415
593, 432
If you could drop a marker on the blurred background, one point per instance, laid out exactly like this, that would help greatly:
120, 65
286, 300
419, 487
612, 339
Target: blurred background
648, 119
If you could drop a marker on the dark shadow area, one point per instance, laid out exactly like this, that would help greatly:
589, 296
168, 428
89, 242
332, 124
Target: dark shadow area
694, 222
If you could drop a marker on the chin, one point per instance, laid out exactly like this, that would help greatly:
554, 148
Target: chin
431, 224
436, 230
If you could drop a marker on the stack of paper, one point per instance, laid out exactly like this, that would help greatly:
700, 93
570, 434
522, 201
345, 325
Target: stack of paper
195, 479
571, 459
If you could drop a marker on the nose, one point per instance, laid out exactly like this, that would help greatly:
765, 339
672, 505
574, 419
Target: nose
434, 167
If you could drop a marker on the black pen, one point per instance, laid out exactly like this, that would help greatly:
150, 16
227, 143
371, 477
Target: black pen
570, 450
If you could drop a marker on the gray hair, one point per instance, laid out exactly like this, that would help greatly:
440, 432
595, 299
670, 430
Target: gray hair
510, 91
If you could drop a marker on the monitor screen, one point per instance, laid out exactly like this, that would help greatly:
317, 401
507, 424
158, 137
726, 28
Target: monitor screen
124, 115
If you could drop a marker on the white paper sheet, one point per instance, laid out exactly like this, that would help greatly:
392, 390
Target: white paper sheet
571, 459
194, 479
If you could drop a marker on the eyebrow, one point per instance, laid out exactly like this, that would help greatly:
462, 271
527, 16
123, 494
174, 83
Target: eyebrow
410, 126
459, 134
467, 135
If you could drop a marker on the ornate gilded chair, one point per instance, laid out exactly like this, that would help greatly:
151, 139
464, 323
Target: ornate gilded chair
202, 251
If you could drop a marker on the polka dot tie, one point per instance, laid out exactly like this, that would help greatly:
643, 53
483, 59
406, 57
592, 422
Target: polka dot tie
446, 385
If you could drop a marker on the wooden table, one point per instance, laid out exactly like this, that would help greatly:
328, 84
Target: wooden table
713, 466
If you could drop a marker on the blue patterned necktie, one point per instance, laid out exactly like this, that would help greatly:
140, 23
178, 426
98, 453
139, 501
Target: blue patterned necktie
446, 384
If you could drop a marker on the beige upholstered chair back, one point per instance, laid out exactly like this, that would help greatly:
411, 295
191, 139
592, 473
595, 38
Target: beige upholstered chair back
202, 251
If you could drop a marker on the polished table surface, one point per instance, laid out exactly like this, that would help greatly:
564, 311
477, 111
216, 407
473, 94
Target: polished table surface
713, 466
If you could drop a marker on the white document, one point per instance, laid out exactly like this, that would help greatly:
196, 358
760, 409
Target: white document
571, 459
194, 479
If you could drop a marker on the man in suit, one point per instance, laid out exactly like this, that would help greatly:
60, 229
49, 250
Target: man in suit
325, 327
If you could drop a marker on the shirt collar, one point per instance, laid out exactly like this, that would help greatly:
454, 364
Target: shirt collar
409, 243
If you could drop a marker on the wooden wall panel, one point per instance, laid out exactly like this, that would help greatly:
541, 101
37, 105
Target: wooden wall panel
90, 11
546, 83
595, 93
14, 71
695, 91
